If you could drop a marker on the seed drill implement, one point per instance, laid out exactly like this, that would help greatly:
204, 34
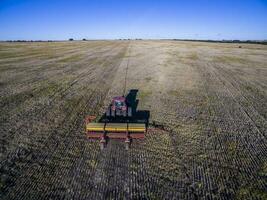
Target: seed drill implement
119, 122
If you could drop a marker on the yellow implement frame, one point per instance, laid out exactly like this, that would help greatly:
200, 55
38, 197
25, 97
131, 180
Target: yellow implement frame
116, 127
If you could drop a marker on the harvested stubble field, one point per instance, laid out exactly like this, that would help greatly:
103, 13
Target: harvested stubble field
210, 98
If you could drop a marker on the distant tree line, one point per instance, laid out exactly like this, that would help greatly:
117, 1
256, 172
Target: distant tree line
31, 41
131, 39
227, 41
71, 39
264, 42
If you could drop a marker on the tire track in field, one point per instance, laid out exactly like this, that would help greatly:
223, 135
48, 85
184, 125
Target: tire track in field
239, 138
59, 51
86, 106
248, 95
233, 91
99, 177
61, 93
43, 66
256, 140
221, 162
82, 75
250, 110
69, 143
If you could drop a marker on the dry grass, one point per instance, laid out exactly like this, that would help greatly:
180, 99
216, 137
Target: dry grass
210, 98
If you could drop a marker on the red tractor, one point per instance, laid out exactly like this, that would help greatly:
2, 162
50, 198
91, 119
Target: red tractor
119, 107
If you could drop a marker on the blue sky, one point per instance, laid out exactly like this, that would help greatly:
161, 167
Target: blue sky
112, 19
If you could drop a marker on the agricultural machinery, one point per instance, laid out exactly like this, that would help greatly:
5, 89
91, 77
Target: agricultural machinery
119, 107
120, 121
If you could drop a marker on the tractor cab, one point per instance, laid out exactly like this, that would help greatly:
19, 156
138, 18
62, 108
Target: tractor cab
119, 107
119, 103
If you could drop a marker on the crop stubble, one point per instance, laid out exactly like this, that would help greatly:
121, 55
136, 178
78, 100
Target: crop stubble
210, 99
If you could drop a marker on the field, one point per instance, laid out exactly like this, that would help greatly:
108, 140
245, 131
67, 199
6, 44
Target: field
208, 99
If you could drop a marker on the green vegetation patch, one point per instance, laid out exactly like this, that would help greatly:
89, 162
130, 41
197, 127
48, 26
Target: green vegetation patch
192, 56
144, 94
252, 193
174, 93
263, 170
148, 79
188, 57
230, 59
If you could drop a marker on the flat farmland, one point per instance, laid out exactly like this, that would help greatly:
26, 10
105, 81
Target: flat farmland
207, 132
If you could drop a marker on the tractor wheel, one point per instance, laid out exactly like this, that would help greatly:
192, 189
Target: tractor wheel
124, 113
113, 113
130, 114
108, 112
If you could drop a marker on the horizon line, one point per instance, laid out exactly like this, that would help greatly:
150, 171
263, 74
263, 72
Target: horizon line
178, 39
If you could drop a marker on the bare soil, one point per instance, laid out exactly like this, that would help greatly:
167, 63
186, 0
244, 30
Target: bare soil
209, 100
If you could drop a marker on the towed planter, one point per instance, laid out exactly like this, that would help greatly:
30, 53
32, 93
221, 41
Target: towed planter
105, 131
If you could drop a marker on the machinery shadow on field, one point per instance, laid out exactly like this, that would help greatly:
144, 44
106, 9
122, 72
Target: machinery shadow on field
139, 116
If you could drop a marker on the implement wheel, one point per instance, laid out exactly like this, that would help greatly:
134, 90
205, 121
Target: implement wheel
130, 114
125, 113
113, 113
108, 112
